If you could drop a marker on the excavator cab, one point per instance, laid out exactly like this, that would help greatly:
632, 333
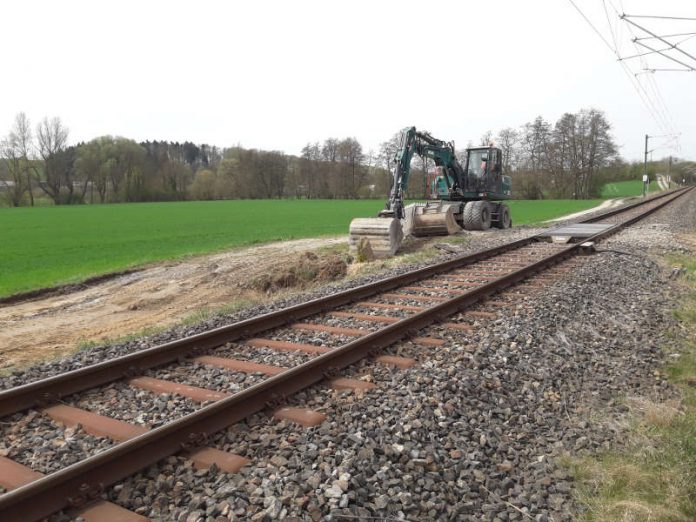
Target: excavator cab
482, 178
484, 175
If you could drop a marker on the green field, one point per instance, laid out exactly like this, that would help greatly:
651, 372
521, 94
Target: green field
52, 245
625, 189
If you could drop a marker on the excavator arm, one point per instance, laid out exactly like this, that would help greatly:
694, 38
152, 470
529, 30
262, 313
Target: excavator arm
421, 143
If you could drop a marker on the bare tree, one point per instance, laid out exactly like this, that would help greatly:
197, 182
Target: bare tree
16, 151
535, 138
308, 171
51, 143
508, 140
351, 156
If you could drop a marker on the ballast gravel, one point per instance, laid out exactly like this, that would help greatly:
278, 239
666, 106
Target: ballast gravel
204, 376
262, 355
36, 441
134, 405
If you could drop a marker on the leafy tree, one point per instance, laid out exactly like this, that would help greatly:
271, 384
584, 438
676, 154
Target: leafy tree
204, 185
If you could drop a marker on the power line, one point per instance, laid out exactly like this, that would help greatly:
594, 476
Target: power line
653, 70
668, 122
611, 27
642, 54
668, 36
653, 101
674, 46
663, 53
594, 28
660, 17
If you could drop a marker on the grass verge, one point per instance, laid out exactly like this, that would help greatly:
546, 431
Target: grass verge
48, 246
190, 320
653, 477
626, 189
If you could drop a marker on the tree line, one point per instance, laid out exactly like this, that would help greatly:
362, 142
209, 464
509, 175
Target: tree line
570, 158
565, 159
39, 162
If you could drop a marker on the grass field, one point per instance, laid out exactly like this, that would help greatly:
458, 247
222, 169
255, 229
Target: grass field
625, 189
52, 245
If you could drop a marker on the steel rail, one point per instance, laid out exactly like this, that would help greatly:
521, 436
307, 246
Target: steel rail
51, 389
49, 494
640, 203
88, 478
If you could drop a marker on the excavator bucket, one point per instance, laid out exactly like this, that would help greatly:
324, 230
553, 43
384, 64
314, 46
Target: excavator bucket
430, 220
378, 237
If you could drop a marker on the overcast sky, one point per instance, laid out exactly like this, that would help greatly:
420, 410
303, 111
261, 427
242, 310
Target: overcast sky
278, 74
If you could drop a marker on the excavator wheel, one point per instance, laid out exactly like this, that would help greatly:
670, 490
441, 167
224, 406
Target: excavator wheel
477, 215
468, 221
485, 215
504, 220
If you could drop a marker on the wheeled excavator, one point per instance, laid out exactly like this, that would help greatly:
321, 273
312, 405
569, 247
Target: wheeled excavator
469, 197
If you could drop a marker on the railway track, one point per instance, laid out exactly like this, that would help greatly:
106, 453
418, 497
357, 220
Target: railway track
317, 340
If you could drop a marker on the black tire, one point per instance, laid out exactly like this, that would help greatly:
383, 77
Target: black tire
477, 215
505, 219
498, 221
468, 218
484, 213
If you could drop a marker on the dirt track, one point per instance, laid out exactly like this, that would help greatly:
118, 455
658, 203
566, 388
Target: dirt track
157, 296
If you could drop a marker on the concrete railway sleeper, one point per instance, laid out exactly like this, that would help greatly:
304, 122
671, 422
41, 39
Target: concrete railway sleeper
350, 326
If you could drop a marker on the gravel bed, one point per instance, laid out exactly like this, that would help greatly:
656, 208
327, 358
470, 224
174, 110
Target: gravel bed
45, 446
134, 405
412, 350
347, 322
388, 312
203, 376
658, 233
308, 337
261, 355
443, 283
404, 301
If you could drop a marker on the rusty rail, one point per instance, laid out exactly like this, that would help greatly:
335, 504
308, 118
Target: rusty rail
51, 389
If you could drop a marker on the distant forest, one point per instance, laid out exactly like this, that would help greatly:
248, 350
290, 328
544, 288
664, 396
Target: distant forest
569, 159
